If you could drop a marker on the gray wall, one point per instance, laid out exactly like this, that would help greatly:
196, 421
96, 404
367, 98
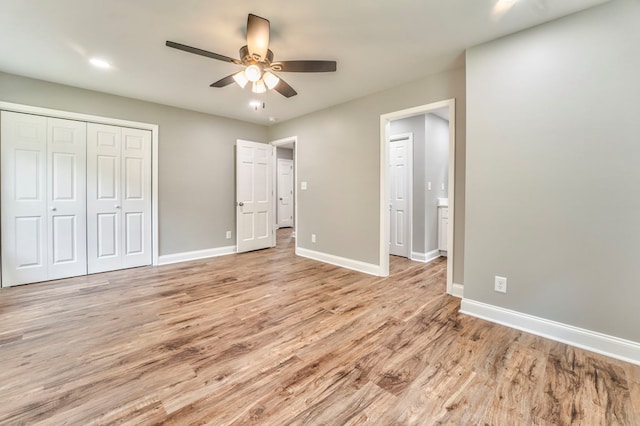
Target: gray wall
415, 125
196, 156
339, 156
436, 172
284, 153
553, 171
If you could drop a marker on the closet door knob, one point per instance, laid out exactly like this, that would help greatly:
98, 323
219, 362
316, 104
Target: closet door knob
53, 209
117, 206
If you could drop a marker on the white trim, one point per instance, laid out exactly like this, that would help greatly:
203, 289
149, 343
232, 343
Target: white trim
276, 143
195, 255
457, 290
425, 257
614, 347
385, 125
28, 109
356, 265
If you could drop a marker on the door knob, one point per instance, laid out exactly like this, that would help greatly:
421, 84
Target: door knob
117, 206
280, 198
241, 204
53, 209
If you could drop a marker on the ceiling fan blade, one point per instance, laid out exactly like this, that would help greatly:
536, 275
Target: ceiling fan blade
284, 89
258, 37
201, 52
223, 81
304, 66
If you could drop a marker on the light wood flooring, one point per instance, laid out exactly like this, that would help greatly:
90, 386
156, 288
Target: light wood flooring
272, 339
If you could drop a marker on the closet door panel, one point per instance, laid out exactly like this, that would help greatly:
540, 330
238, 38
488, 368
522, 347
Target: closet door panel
104, 212
136, 202
67, 212
24, 200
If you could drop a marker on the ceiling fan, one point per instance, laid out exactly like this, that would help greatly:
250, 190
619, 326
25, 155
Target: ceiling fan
258, 62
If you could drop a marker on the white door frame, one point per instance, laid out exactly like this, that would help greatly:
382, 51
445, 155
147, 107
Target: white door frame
409, 175
28, 109
385, 125
277, 143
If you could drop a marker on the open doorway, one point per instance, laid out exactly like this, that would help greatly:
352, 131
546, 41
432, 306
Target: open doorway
285, 193
429, 226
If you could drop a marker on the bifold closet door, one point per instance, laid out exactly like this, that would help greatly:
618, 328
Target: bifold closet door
118, 197
43, 198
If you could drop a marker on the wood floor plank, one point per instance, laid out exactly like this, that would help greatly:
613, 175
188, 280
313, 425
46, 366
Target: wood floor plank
583, 388
269, 338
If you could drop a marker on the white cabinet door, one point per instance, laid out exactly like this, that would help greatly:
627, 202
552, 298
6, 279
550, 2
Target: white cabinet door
66, 181
254, 205
24, 198
443, 240
118, 197
43, 198
285, 192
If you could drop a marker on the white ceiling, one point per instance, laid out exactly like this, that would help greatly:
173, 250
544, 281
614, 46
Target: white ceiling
377, 44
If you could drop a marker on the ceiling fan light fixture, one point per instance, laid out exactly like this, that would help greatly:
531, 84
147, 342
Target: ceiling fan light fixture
241, 79
259, 87
253, 73
270, 80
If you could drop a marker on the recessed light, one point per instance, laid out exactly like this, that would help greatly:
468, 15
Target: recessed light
100, 63
273, 119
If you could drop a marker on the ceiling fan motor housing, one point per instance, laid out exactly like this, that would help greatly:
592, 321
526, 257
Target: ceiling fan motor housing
247, 59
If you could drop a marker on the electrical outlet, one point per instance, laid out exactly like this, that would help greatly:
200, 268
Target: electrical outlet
428, 186
443, 186
313, 238
228, 235
500, 284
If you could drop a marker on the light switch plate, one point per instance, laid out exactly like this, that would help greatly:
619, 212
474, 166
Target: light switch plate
303, 186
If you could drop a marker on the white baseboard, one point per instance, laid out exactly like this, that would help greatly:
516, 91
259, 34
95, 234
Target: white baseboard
355, 265
457, 290
425, 257
614, 347
194, 255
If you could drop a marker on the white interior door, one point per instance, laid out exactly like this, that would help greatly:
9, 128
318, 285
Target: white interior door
136, 197
43, 198
104, 216
24, 198
285, 192
67, 204
254, 195
118, 197
400, 195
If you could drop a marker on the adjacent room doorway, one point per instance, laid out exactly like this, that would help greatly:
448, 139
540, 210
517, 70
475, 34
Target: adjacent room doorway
386, 190
285, 196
